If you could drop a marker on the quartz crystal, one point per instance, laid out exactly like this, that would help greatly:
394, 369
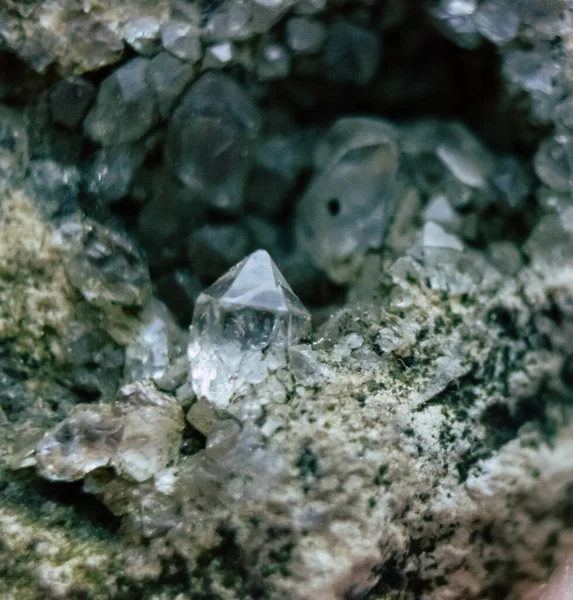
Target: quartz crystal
305, 36
553, 162
169, 76
148, 356
211, 137
218, 56
182, 40
106, 268
351, 54
498, 20
345, 209
143, 35
242, 326
111, 174
70, 99
125, 108
273, 62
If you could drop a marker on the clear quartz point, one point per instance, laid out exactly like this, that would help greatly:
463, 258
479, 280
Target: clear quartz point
241, 329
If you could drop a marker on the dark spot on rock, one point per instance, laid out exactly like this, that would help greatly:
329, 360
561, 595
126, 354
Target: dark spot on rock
567, 372
505, 320
307, 463
333, 206
380, 477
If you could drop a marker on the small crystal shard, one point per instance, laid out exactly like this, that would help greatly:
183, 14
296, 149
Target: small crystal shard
273, 63
147, 357
498, 20
218, 56
182, 40
81, 443
107, 269
142, 35
138, 436
553, 162
241, 323
110, 175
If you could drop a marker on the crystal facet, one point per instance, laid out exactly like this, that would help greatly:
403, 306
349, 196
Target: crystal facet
241, 323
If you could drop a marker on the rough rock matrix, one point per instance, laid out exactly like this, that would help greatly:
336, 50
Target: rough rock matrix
286, 299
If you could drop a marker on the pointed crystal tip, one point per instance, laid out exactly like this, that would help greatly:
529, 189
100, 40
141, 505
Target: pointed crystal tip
247, 315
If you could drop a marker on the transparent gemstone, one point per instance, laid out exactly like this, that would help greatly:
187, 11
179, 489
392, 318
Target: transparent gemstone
147, 357
498, 20
464, 155
553, 162
218, 56
241, 323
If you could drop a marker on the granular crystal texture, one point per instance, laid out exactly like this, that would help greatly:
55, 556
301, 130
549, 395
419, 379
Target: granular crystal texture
241, 328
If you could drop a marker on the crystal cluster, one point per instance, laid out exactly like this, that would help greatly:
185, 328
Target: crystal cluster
241, 328
425, 219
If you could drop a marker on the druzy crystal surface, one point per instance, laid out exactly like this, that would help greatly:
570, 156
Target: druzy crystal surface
241, 328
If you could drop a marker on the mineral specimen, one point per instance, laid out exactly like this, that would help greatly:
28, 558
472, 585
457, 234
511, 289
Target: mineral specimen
242, 325
408, 165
